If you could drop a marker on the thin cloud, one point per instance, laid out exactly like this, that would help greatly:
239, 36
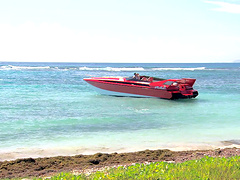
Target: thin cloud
226, 7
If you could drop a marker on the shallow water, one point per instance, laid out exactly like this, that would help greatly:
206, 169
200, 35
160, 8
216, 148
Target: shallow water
47, 109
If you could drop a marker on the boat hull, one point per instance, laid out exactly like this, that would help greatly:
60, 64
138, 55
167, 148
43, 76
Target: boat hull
122, 89
119, 94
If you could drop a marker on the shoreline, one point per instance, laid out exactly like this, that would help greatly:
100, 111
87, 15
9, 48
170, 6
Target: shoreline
20, 153
49, 166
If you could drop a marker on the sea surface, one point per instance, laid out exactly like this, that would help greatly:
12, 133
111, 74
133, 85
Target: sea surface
47, 109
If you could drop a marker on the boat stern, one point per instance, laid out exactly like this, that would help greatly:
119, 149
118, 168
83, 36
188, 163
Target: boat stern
185, 89
179, 88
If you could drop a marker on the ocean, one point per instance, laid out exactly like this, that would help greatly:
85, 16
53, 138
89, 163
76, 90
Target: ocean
47, 109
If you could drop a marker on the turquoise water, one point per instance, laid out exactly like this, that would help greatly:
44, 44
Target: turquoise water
46, 109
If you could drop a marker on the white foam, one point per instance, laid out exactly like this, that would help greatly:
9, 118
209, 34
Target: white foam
137, 69
111, 69
179, 69
10, 67
126, 69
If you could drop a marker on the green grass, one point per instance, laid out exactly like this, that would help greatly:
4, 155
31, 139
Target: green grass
205, 168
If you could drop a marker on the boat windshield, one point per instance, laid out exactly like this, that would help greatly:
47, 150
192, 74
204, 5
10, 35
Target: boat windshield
132, 79
168, 83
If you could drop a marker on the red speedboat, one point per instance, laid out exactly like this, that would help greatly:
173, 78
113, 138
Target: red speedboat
145, 86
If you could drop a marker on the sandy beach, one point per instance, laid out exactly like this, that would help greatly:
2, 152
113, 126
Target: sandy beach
21, 153
48, 166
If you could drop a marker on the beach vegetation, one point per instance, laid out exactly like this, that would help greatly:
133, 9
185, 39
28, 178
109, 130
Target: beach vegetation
205, 168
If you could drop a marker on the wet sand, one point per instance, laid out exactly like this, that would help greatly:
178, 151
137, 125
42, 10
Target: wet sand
48, 166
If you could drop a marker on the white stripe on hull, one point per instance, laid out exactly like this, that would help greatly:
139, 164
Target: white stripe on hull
114, 93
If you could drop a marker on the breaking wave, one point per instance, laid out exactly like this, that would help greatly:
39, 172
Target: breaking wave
109, 69
10, 67
137, 69
112, 69
179, 69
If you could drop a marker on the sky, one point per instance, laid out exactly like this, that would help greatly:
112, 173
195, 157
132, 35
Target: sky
143, 31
